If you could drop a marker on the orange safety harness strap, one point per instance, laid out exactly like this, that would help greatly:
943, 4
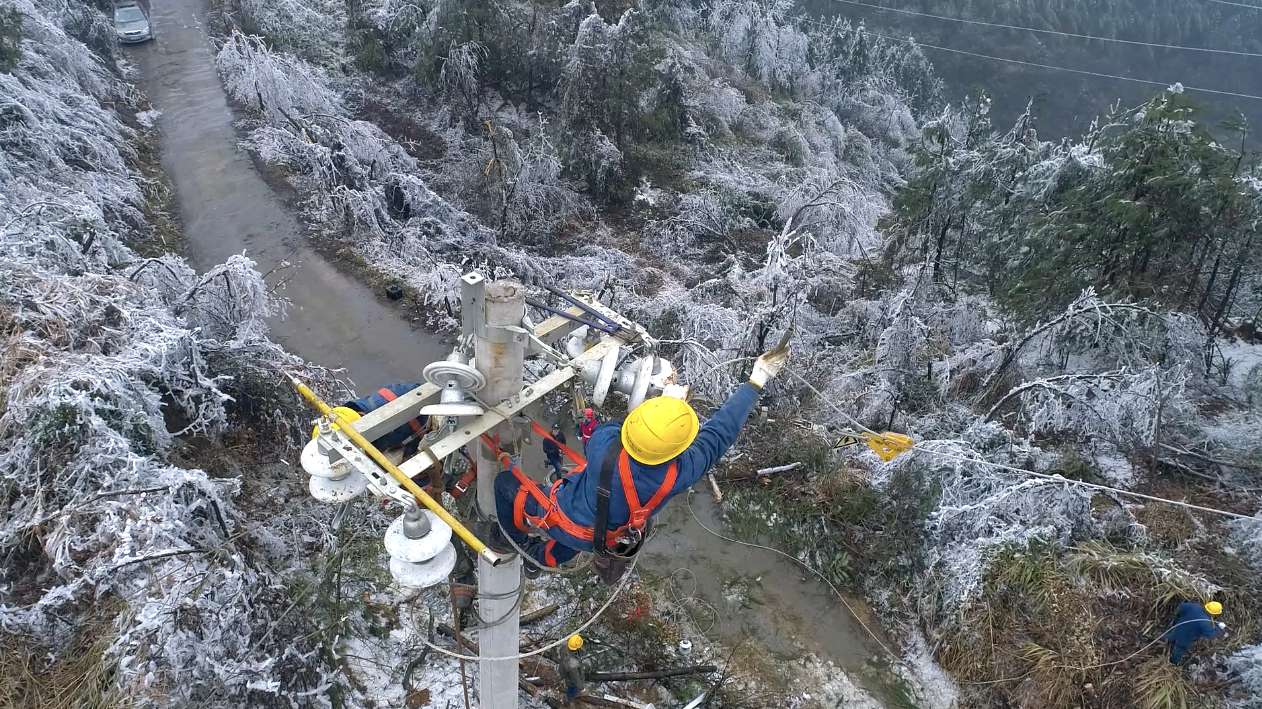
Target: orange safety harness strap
554, 516
466, 480
389, 396
640, 513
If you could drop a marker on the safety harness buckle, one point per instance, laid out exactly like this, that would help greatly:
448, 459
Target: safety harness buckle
639, 518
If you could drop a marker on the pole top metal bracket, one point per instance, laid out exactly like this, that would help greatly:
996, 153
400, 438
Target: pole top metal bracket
472, 304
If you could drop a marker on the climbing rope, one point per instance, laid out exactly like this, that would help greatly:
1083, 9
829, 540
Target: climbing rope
1085, 668
527, 558
803, 564
560, 641
683, 601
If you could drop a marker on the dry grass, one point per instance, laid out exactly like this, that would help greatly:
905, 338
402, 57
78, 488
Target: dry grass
1058, 683
1117, 571
1062, 629
17, 351
1161, 685
80, 678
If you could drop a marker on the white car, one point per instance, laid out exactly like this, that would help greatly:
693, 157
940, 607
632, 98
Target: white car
131, 25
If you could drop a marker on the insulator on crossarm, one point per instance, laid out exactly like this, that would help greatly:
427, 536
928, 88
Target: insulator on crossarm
421, 553
331, 481
455, 380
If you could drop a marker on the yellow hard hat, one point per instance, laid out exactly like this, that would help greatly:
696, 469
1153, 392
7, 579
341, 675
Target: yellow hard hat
575, 642
1214, 608
659, 429
345, 411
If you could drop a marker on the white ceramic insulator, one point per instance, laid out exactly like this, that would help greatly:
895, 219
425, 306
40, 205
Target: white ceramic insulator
608, 366
337, 490
624, 381
643, 377
317, 464
426, 573
576, 343
400, 547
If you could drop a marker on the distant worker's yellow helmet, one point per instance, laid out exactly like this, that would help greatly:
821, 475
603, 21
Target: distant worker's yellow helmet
1214, 608
575, 642
659, 429
345, 411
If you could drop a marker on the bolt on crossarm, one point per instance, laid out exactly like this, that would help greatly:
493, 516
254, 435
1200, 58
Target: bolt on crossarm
347, 428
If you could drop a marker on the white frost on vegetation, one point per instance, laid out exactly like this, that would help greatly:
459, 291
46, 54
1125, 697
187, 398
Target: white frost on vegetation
107, 357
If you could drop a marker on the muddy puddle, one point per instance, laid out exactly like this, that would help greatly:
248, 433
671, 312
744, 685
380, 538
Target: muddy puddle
759, 595
226, 207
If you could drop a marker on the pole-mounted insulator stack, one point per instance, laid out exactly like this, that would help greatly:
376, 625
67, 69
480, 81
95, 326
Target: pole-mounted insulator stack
333, 478
420, 548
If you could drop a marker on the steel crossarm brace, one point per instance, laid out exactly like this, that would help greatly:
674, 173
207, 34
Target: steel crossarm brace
502, 412
381, 421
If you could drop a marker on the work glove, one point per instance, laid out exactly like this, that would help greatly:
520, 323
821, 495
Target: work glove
770, 364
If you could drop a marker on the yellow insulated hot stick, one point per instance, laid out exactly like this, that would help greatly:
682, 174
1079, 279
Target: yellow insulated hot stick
348, 427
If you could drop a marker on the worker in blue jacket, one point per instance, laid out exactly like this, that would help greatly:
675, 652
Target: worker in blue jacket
633, 469
1193, 622
552, 451
406, 438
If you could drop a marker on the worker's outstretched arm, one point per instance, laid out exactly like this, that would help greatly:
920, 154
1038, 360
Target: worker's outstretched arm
720, 432
716, 436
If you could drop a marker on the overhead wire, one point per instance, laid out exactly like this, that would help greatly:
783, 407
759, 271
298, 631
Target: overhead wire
1040, 30
1237, 4
919, 447
799, 562
1052, 67
626, 578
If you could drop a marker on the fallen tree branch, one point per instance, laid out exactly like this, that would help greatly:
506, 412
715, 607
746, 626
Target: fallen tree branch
536, 616
654, 674
155, 557
608, 701
714, 487
763, 472
1209, 459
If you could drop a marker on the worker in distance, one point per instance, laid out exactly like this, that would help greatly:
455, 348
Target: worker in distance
1192, 622
634, 468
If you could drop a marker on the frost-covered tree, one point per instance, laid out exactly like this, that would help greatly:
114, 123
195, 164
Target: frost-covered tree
532, 197
130, 576
1124, 210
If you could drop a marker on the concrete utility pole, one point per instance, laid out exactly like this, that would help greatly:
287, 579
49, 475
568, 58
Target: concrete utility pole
492, 313
492, 316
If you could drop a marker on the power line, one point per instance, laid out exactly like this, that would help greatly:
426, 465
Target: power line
1053, 32
919, 448
1052, 67
1084, 72
1238, 4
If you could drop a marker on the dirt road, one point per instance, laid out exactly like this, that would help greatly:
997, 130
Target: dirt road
227, 207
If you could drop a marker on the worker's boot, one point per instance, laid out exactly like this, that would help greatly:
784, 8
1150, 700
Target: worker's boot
531, 569
489, 530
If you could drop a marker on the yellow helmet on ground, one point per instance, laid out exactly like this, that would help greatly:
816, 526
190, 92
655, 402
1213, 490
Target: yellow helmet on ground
345, 411
575, 642
659, 429
1214, 608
